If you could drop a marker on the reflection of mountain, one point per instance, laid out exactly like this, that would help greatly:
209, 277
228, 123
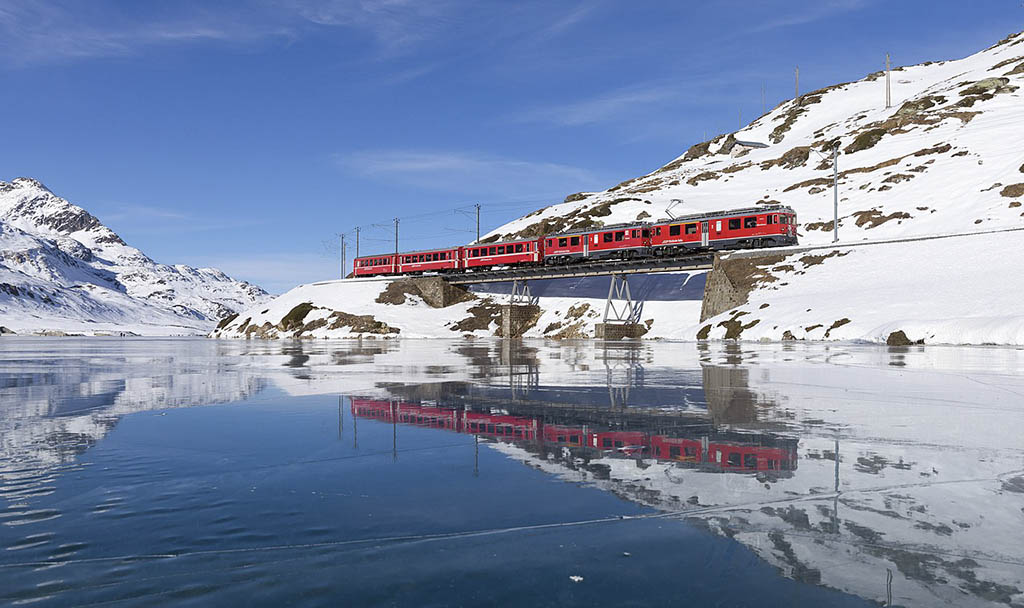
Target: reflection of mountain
882, 494
57, 407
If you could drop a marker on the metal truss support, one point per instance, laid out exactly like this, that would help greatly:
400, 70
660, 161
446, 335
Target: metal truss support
620, 307
521, 295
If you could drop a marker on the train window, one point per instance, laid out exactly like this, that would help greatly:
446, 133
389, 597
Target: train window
561, 439
673, 230
773, 219
550, 241
618, 444
607, 237
501, 249
750, 222
435, 257
493, 250
734, 459
519, 248
750, 461
562, 242
657, 450
636, 233
657, 231
647, 233
690, 451
734, 224
621, 234
606, 442
574, 241
691, 229
673, 451
490, 428
574, 438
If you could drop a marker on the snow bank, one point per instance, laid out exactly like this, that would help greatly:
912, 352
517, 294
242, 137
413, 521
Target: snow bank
964, 289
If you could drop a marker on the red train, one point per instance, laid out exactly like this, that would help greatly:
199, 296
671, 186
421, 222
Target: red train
737, 229
732, 454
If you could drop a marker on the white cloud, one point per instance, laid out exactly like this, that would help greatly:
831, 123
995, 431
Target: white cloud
468, 173
808, 13
605, 107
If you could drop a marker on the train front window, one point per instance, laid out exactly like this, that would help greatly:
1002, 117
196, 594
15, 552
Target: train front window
674, 230
647, 233
574, 241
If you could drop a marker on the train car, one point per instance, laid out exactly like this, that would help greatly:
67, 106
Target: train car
753, 227
625, 241
406, 413
676, 448
506, 253
499, 426
629, 442
374, 265
730, 457
564, 435
444, 260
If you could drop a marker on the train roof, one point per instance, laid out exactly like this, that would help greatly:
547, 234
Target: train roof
681, 219
436, 249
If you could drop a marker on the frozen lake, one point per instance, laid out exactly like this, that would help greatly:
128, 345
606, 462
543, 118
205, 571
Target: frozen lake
412, 473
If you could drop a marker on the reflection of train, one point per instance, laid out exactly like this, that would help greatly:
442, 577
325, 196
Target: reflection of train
735, 229
727, 452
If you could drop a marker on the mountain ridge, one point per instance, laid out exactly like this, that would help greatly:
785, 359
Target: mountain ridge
62, 269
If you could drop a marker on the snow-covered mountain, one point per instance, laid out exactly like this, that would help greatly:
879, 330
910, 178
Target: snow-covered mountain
945, 157
61, 269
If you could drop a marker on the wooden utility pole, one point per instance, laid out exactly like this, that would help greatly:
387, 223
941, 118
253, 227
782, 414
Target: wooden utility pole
477, 222
357, 240
888, 86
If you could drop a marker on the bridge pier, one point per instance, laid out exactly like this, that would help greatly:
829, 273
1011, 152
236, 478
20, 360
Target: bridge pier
621, 313
517, 318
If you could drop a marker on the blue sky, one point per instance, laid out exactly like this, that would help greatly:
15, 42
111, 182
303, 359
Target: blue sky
246, 135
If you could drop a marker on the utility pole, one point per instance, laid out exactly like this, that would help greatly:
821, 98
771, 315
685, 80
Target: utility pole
888, 89
835, 193
357, 240
342, 255
797, 86
477, 222
396, 240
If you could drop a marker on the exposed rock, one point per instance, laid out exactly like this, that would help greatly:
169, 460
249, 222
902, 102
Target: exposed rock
1012, 191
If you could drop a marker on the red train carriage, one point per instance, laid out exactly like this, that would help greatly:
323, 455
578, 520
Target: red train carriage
433, 260
611, 242
406, 413
753, 227
499, 426
676, 448
373, 265
506, 253
629, 442
565, 435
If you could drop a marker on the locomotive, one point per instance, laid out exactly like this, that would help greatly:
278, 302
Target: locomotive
753, 227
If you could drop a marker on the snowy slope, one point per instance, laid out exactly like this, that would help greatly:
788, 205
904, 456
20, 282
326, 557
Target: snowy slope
944, 158
957, 290
61, 269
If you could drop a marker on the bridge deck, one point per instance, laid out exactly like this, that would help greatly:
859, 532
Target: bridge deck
647, 265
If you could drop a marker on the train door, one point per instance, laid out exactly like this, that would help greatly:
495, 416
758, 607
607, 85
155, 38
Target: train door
704, 234
586, 245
